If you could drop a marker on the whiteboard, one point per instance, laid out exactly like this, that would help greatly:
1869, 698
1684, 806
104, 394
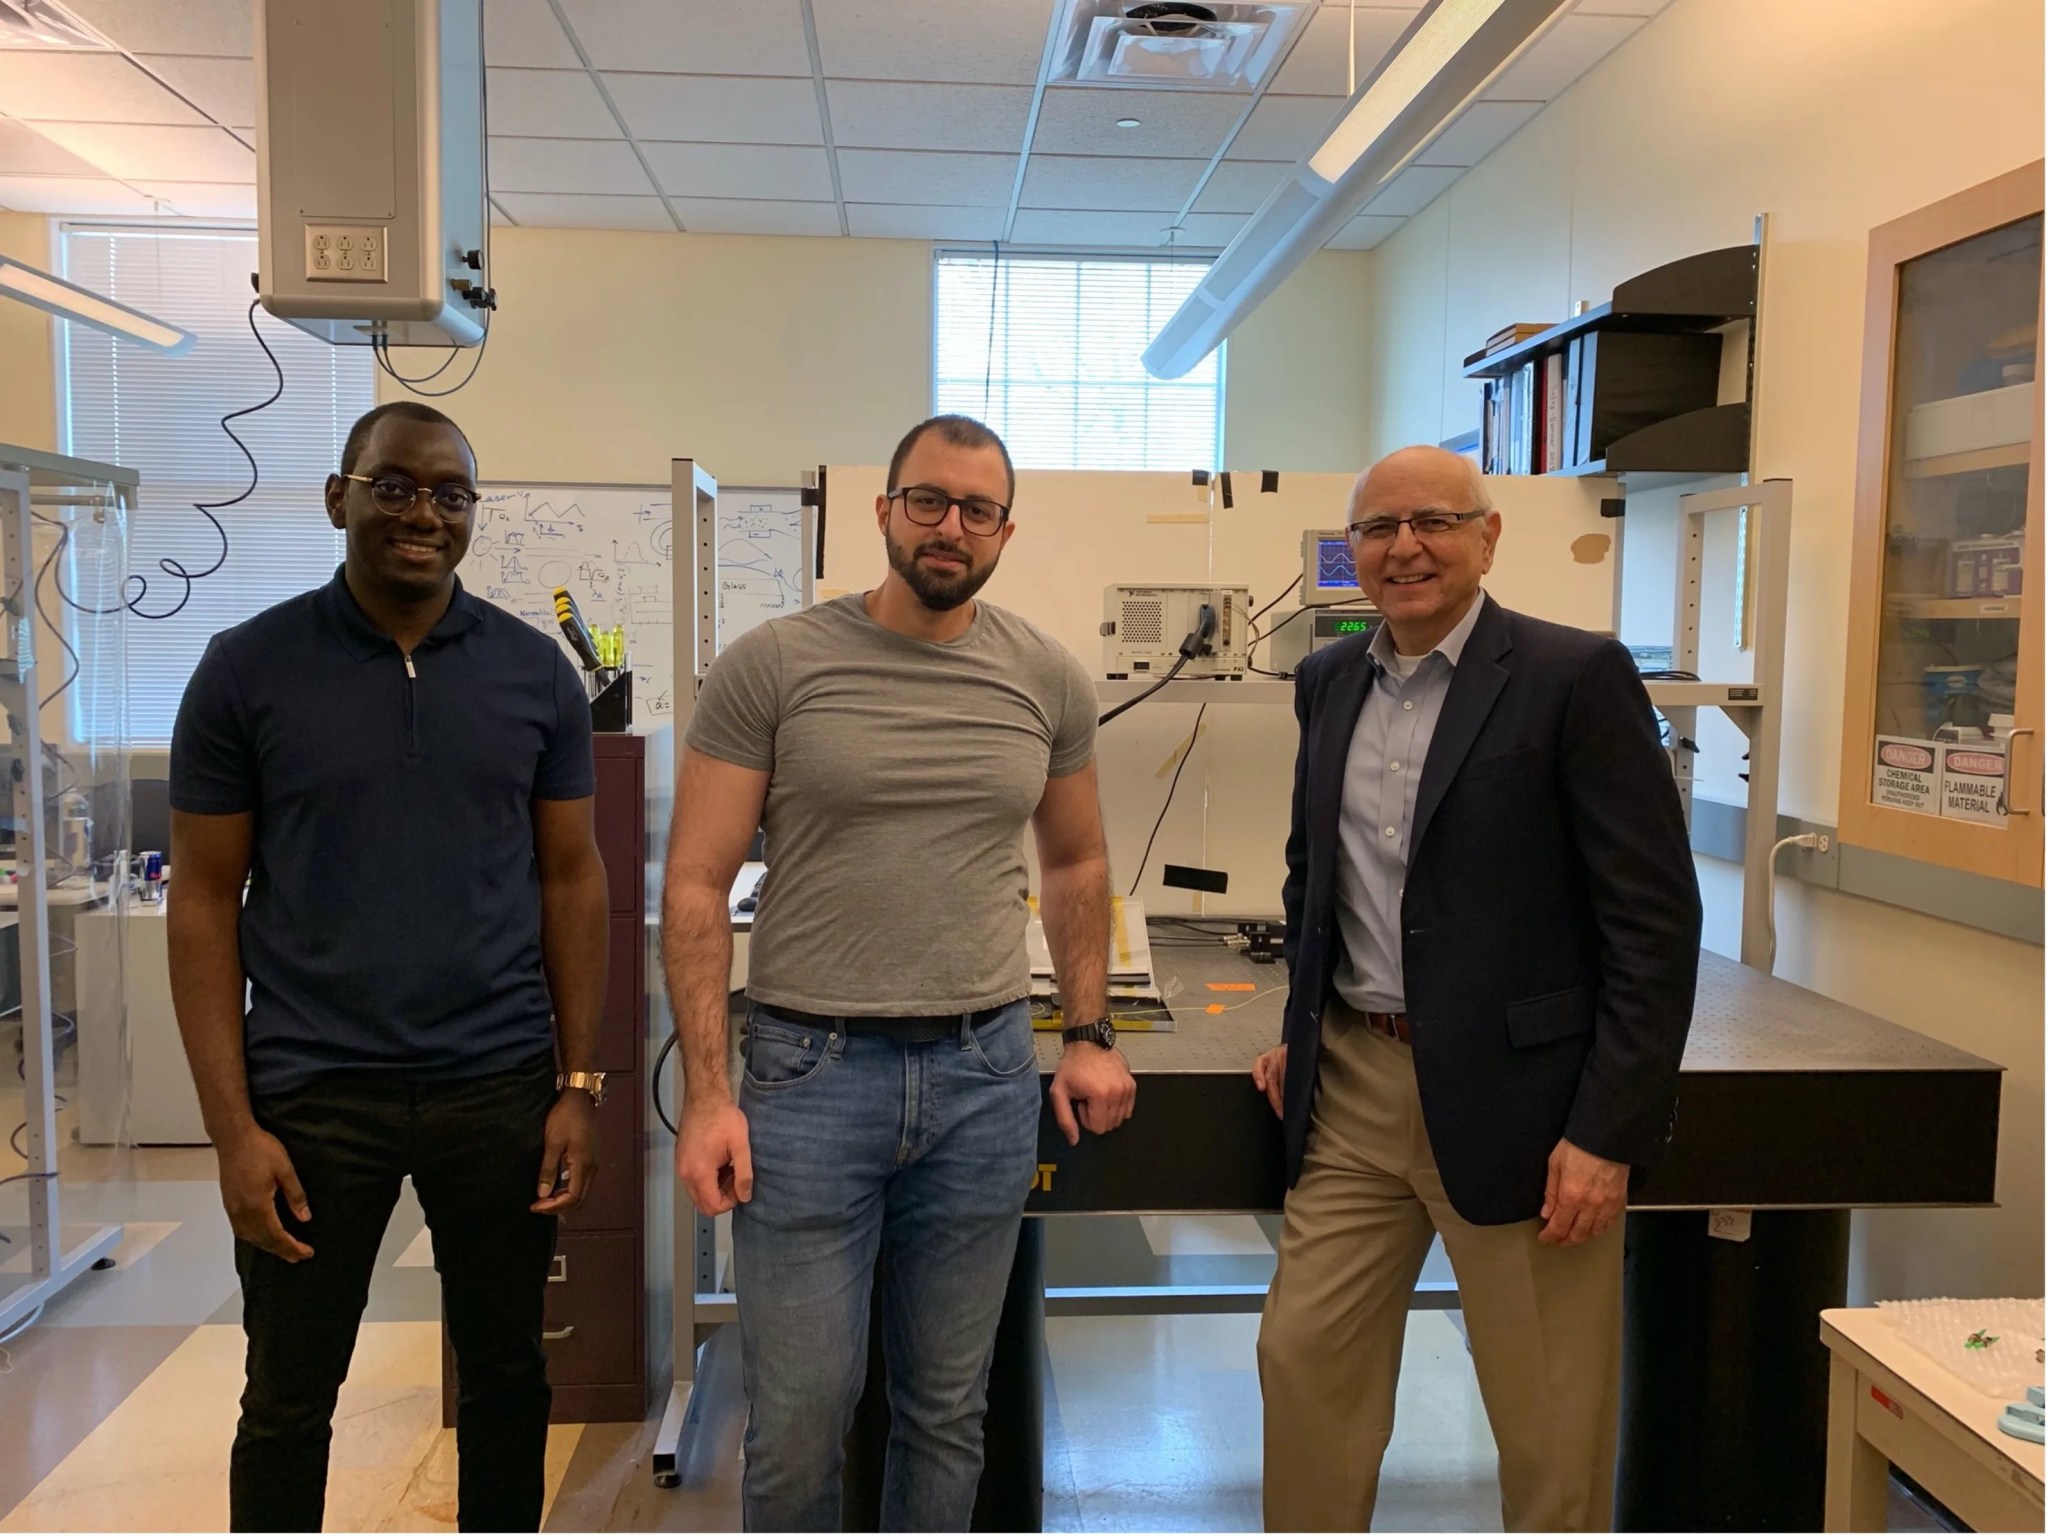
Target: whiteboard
610, 545
761, 557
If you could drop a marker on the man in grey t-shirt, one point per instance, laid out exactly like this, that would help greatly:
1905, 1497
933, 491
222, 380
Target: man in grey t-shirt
893, 745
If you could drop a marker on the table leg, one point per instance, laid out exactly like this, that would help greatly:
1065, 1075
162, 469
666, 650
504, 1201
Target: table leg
1859, 1476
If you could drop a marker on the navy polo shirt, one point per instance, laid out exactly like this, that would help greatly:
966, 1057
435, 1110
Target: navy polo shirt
393, 915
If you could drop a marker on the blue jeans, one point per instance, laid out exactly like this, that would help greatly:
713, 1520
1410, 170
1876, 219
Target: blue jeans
923, 1154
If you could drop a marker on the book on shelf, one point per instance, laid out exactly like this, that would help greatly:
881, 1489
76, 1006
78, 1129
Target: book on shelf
1507, 336
1568, 424
1553, 412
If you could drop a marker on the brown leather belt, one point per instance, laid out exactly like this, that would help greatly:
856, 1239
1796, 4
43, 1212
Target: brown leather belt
1393, 1025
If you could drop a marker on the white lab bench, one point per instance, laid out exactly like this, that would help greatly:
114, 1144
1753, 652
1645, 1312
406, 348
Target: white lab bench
126, 959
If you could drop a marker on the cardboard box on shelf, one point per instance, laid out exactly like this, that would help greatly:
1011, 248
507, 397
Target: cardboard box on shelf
1973, 781
1907, 776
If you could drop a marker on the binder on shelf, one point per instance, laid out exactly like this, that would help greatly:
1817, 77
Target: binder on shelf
1568, 430
1553, 412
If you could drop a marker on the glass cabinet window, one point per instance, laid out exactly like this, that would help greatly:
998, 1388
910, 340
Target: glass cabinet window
1962, 421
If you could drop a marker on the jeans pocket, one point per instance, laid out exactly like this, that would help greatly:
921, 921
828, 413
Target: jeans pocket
781, 1055
1004, 1044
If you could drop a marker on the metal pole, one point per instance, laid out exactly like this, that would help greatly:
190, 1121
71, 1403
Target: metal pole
1771, 534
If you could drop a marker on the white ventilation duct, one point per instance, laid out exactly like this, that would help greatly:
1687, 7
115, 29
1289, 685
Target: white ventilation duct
1450, 53
1177, 45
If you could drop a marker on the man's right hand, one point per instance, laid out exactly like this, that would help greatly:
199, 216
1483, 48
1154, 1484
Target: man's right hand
254, 1170
1269, 1071
713, 1160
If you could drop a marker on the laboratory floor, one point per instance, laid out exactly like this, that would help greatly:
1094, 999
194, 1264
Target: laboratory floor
117, 1408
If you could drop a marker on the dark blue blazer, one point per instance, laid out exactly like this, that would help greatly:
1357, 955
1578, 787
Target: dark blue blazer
1551, 915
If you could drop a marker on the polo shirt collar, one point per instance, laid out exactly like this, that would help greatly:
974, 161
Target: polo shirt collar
362, 639
1451, 647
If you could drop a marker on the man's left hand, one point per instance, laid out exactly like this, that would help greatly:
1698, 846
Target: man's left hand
568, 1164
1585, 1196
1093, 1088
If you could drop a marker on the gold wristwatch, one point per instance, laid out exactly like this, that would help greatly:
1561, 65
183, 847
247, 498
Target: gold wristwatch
591, 1083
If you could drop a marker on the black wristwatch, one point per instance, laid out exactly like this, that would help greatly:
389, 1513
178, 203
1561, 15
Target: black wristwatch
1101, 1032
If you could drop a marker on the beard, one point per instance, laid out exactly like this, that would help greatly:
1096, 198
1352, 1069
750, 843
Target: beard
941, 594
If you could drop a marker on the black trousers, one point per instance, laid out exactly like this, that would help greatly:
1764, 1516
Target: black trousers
473, 1149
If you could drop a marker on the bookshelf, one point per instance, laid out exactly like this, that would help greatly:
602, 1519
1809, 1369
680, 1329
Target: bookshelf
1630, 387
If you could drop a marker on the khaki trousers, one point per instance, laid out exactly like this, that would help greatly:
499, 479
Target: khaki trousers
1544, 1322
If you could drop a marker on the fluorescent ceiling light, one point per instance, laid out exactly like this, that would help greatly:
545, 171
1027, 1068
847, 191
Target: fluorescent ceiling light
1445, 60
68, 301
1420, 60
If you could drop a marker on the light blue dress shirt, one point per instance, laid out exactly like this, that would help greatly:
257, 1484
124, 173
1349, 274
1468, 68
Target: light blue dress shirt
1382, 777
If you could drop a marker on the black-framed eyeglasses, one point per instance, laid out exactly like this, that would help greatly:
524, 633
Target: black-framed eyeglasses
927, 506
1427, 525
394, 495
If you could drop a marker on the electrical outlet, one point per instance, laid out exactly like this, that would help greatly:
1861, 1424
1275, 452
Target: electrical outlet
347, 253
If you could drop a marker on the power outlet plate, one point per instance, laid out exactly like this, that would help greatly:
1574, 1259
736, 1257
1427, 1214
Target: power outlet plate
347, 253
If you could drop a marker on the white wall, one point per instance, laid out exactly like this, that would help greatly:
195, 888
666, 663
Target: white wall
1833, 116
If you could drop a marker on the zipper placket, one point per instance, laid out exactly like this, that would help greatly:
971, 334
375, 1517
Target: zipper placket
412, 739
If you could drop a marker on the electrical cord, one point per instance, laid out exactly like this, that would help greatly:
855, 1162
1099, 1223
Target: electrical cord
1132, 703
1252, 649
1812, 841
33, 1317
77, 666
654, 1087
1193, 736
1190, 647
988, 372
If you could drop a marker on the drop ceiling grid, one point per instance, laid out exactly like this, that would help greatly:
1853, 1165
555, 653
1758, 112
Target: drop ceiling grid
892, 114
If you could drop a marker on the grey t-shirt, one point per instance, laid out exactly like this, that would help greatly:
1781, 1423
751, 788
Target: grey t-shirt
902, 773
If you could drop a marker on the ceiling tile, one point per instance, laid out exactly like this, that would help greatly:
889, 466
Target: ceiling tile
700, 37
71, 195
224, 89
1088, 181
1643, 8
931, 177
1363, 233
85, 88
566, 165
897, 222
1210, 230
738, 216
1066, 226
1414, 189
24, 152
577, 210
931, 40
1240, 186
218, 28
717, 109
1285, 127
157, 154
1561, 55
768, 171
548, 104
203, 199
1316, 67
868, 114
524, 34
499, 218
1478, 131
1082, 120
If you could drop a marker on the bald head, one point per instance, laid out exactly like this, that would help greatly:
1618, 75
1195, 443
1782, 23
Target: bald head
1444, 479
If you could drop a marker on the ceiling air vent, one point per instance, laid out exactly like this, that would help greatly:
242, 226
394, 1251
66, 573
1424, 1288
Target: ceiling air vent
1173, 44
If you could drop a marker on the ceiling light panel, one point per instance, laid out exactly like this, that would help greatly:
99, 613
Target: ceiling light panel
1078, 120
702, 37
717, 109
934, 40
548, 104
878, 114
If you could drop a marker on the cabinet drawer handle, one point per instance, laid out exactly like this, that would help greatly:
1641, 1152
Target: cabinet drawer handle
552, 1335
558, 1272
2012, 776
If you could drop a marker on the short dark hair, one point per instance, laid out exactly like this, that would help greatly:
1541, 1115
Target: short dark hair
405, 410
961, 432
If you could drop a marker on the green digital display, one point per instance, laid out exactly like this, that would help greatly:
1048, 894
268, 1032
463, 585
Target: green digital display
1352, 626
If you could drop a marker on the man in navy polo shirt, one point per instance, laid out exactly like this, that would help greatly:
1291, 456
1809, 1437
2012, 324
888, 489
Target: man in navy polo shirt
401, 775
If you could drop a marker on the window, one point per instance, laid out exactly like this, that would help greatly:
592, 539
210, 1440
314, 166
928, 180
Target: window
161, 416
1046, 350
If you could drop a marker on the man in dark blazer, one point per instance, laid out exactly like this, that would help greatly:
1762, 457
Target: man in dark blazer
1493, 933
